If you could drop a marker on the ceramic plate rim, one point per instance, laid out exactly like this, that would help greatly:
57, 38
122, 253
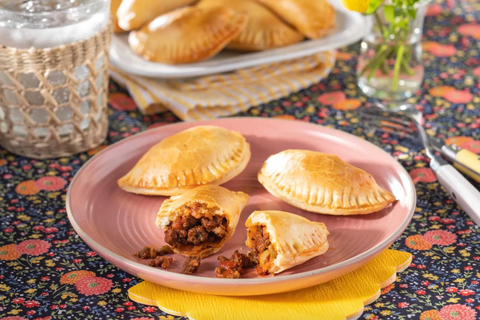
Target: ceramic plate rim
370, 253
244, 60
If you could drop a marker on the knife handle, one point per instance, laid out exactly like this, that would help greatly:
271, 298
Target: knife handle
463, 160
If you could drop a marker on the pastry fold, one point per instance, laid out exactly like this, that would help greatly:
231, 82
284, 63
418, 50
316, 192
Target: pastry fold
322, 183
134, 14
282, 240
187, 34
200, 221
264, 30
313, 18
197, 156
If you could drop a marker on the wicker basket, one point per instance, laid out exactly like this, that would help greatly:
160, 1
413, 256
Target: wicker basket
53, 102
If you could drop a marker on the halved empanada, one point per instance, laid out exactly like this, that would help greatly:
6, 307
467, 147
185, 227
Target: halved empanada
313, 18
264, 30
197, 156
187, 35
134, 14
322, 183
282, 240
200, 221
114, 5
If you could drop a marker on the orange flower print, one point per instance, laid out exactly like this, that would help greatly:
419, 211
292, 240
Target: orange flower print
476, 71
50, 183
122, 102
434, 10
331, 98
285, 117
443, 50
472, 30
3, 162
349, 104
429, 45
343, 56
457, 312
440, 237
430, 315
96, 150
74, 276
33, 247
416, 242
423, 175
472, 145
27, 188
388, 288
93, 285
440, 91
9, 252
458, 140
458, 96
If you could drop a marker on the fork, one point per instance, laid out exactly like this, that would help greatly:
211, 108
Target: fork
404, 125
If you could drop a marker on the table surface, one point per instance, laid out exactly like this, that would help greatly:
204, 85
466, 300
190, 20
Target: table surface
443, 281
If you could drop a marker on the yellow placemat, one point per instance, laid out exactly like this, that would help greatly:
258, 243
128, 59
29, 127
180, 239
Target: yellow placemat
339, 299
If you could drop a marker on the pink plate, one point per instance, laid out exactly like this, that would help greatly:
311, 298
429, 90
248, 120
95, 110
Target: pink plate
116, 224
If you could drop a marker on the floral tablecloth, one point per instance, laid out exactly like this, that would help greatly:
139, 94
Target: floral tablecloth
48, 272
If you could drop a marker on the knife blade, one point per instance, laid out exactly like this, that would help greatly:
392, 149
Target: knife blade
463, 160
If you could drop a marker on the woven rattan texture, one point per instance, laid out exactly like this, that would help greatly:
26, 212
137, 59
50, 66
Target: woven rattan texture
53, 101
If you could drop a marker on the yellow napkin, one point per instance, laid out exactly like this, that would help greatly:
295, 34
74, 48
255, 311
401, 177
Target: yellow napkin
225, 94
340, 299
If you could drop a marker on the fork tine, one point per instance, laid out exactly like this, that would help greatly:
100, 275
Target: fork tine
394, 124
400, 134
376, 113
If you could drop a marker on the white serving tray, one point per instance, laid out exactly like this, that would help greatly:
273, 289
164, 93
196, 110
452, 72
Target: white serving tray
350, 27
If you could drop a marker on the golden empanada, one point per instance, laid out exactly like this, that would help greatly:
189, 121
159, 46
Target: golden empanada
134, 14
322, 183
200, 221
114, 5
313, 18
197, 156
264, 30
187, 35
282, 240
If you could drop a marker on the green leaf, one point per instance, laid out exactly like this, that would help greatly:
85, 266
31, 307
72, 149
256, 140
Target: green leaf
412, 12
389, 13
373, 6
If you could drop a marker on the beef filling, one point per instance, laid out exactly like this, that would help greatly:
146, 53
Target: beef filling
233, 268
196, 225
191, 265
263, 251
151, 253
161, 261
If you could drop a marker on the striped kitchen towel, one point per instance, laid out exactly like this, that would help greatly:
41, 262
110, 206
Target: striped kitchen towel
225, 94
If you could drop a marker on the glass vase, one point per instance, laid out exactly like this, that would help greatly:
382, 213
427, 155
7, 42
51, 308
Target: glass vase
390, 65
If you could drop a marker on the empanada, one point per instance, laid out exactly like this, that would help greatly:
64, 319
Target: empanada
134, 14
114, 5
187, 35
200, 221
264, 30
197, 156
282, 240
322, 183
313, 18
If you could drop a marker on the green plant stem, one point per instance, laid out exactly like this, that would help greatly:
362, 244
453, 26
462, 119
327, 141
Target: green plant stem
396, 69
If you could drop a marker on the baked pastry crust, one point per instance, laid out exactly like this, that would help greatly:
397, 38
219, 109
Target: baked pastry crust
114, 5
295, 238
187, 35
134, 14
196, 156
313, 18
264, 30
226, 203
322, 183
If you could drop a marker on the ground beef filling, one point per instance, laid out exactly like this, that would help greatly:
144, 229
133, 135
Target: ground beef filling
233, 268
157, 256
190, 266
263, 251
196, 226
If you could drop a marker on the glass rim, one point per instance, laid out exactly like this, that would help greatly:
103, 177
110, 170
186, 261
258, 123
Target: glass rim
89, 3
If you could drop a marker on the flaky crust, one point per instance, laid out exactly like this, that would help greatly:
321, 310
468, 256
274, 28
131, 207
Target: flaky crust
295, 238
264, 30
187, 35
134, 14
114, 5
230, 204
322, 183
313, 18
197, 156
